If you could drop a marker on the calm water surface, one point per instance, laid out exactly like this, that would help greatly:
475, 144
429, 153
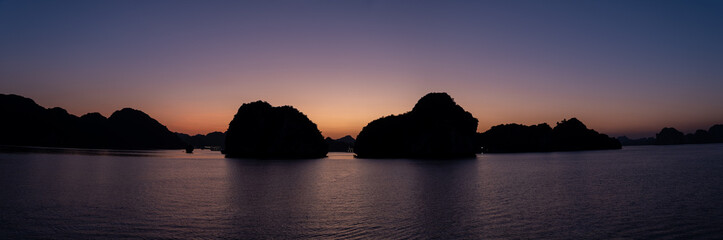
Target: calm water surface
638, 192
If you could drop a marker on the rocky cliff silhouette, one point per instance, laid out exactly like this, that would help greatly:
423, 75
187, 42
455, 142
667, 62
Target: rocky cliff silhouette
435, 128
568, 135
259, 130
26, 123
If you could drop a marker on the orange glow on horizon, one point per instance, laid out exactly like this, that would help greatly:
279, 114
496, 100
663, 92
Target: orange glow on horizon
344, 65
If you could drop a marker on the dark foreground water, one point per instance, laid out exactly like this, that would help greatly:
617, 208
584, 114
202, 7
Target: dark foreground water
638, 192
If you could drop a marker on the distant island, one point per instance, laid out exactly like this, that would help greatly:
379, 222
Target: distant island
344, 144
568, 135
435, 128
28, 124
259, 130
212, 140
217, 141
671, 136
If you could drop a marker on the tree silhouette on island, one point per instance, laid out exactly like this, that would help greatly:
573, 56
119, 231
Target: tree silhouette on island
261, 131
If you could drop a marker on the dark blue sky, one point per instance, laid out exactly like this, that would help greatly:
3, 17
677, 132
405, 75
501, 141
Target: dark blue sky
622, 67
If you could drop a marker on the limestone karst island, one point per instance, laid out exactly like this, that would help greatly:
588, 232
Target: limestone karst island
437, 127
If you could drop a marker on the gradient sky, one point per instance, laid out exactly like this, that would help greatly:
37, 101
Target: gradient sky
622, 67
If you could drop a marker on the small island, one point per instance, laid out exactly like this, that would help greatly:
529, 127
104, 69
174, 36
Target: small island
261, 131
435, 128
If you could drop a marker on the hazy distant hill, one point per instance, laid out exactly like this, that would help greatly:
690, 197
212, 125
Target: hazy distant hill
343, 144
568, 135
626, 141
671, 136
212, 139
26, 123
435, 128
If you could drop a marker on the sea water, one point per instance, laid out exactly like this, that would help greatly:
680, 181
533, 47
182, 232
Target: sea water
637, 192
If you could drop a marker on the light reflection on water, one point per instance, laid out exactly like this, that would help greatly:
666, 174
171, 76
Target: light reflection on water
638, 192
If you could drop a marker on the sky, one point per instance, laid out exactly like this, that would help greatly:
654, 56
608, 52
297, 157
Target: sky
622, 67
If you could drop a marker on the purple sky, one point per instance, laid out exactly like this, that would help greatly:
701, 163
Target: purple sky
622, 67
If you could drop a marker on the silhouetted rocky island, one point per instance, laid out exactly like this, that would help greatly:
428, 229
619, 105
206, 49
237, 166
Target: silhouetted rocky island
259, 130
344, 144
28, 124
568, 135
435, 128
